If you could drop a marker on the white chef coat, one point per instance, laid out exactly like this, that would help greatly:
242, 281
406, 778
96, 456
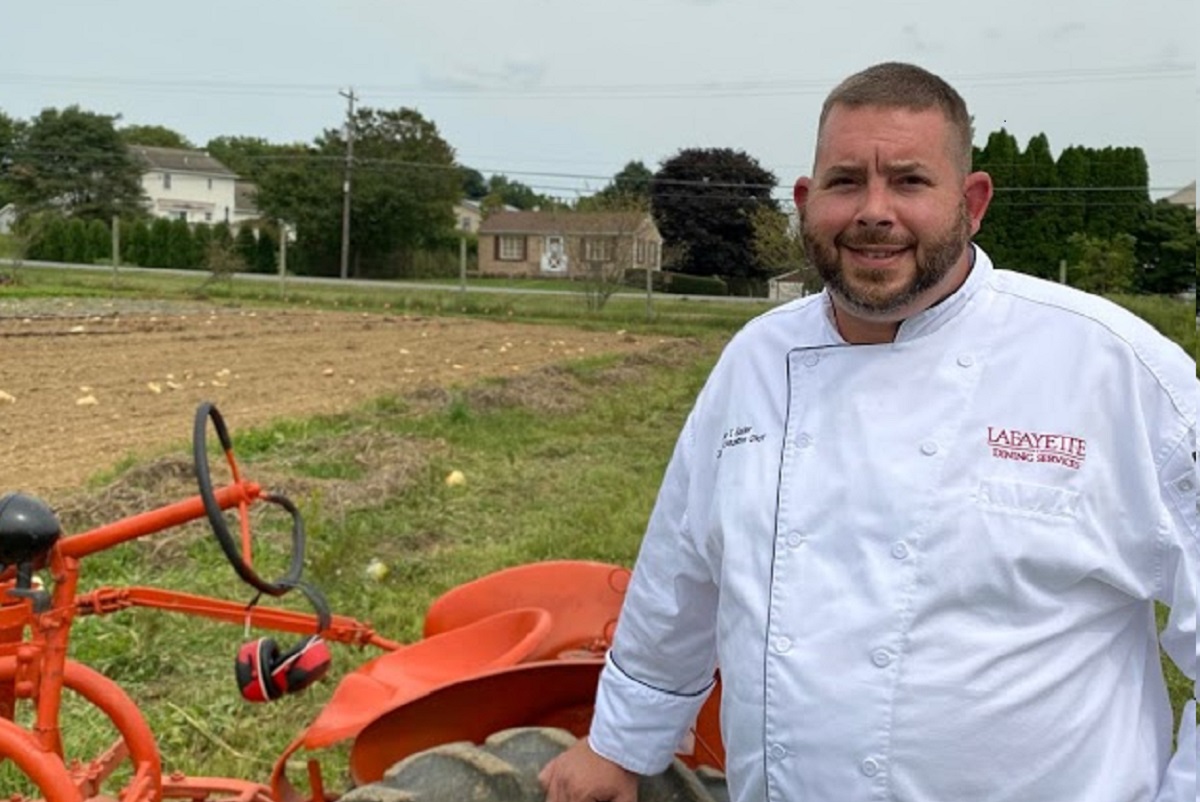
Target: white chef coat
926, 569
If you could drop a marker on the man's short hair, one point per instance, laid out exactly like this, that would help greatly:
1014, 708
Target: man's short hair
896, 85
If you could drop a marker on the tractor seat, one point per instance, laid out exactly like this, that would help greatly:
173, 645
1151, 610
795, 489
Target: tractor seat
503, 639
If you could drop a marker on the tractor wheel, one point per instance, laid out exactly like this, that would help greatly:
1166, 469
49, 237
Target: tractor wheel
505, 769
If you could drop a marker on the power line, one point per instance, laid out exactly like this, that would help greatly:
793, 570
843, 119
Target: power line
760, 87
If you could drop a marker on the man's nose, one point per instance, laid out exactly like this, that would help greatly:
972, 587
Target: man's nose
876, 207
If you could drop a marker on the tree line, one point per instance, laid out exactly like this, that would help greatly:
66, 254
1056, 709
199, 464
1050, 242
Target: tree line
1089, 209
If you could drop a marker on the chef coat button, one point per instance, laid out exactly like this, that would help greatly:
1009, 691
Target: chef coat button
777, 752
783, 645
1185, 485
900, 550
870, 767
882, 658
966, 361
929, 448
795, 540
811, 360
804, 440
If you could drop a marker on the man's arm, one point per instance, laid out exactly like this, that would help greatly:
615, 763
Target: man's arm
1181, 576
662, 663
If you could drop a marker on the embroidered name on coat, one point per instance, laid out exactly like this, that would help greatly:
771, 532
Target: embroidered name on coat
737, 436
1023, 446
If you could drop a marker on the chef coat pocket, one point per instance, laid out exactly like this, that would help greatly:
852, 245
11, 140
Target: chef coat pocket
1041, 502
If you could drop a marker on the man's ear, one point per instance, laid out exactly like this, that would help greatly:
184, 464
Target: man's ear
800, 191
977, 192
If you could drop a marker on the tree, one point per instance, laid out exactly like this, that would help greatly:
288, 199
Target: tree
630, 185
514, 193
155, 136
405, 184
1166, 245
474, 186
99, 241
780, 249
75, 161
1102, 265
11, 131
251, 156
704, 201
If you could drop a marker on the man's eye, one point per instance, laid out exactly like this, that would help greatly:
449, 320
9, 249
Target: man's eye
914, 180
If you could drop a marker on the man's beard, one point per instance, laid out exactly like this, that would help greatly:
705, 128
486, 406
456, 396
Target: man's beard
867, 295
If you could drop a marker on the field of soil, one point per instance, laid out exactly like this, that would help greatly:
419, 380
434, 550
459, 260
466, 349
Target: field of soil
85, 383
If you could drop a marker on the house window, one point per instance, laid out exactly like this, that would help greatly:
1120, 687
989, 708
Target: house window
208, 217
640, 251
210, 184
598, 249
166, 180
182, 216
510, 248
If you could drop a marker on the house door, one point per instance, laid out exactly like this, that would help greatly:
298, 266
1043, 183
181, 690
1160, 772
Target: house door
554, 256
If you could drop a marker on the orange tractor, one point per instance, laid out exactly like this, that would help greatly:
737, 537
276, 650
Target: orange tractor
503, 679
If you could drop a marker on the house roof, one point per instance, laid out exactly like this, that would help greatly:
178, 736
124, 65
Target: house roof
1185, 196
609, 223
180, 161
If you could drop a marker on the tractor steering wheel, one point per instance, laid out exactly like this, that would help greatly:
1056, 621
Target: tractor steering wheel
216, 518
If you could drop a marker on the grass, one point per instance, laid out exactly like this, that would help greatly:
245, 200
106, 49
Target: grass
569, 472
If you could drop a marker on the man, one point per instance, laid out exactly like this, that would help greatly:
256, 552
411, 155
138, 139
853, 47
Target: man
919, 521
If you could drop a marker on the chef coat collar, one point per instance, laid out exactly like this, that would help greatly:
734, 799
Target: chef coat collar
936, 316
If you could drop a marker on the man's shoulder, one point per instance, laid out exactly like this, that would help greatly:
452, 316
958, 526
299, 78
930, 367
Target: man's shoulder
1068, 313
1076, 307
804, 317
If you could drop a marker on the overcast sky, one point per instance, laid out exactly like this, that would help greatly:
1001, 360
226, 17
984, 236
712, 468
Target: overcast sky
560, 94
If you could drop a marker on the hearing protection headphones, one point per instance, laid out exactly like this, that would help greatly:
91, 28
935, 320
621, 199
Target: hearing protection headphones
266, 672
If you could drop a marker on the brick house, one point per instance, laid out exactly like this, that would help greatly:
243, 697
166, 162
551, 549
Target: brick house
567, 244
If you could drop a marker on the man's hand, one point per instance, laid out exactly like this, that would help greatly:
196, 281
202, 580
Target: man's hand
580, 775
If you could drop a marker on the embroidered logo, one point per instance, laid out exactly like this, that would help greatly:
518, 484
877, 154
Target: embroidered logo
1022, 446
738, 435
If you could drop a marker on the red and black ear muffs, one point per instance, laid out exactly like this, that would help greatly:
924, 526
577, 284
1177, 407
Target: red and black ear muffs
265, 672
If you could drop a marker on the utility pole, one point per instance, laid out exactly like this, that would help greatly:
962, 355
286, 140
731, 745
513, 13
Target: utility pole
350, 98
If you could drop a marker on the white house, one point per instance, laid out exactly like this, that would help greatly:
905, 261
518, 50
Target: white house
187, 185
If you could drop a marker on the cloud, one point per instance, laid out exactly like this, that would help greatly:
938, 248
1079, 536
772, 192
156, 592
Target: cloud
511, 74
1065, 31
916, 41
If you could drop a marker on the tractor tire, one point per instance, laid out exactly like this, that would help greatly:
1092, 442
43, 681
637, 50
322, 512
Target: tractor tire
505, 769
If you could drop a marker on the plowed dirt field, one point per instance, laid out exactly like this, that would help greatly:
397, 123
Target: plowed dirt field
85, 383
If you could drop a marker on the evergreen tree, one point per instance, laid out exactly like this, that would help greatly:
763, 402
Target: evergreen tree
179, 245
99, 242
1165, 250
202, 235
135, 243
1000, 233
159, 251
265, 259
246, 245
75, 244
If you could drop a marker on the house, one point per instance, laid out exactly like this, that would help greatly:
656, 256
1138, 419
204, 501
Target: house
187, 185
1186, 197
468, 215
567, 244
8, 218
